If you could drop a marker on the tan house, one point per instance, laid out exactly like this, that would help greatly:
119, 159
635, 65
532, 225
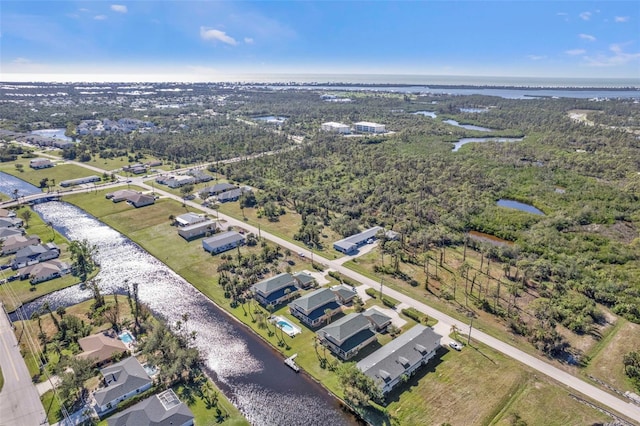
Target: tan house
100, 347
16, 242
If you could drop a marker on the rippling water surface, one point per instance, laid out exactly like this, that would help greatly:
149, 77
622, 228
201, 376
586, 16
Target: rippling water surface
250, 372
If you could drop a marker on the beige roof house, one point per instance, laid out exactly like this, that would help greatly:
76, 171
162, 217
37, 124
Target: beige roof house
100, 347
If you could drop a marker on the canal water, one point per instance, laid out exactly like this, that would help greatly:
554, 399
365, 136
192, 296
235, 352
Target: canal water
249, 371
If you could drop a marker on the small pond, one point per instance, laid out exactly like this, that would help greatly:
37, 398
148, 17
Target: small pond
52, 133
467, 126
464, 141
512, 204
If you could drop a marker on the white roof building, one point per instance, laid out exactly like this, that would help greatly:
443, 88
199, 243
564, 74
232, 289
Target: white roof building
334, 127
368, 127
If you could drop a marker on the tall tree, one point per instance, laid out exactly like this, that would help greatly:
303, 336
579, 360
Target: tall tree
82, 256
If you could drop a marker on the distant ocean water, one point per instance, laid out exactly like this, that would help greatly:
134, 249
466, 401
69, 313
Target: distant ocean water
438, 80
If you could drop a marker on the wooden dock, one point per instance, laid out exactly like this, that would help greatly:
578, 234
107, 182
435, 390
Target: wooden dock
291, 363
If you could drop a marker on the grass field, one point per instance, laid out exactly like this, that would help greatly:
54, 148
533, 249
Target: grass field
285, 228
59, 173
113, 164
606, 362
51, 407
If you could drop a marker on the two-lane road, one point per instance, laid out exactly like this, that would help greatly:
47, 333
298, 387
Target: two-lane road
19, 399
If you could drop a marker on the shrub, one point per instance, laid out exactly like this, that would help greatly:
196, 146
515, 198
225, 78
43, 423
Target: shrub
414, 314
388, 302
371, 292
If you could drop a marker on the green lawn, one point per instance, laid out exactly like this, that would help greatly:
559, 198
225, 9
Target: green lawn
286, 227
114, 164
60, 172
1, 380
51, 407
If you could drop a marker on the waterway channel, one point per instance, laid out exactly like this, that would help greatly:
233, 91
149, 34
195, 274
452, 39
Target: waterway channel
248, 370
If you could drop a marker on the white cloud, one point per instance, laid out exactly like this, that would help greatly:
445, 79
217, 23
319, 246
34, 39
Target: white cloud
622, 19
83, 9
585, 16
587, 37
536, 57
100, 17
216, 35
21, 61
120, 8
616, 58
248, 40
575, 52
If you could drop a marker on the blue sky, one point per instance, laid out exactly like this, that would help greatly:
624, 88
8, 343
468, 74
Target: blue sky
205, 40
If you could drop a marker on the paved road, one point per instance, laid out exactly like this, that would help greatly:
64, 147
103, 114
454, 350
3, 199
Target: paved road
445, 322
19, 400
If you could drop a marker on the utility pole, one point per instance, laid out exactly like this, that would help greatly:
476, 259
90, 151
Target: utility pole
470, 328
381, 280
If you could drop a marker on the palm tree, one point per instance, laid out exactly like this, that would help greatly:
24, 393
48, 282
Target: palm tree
327, 314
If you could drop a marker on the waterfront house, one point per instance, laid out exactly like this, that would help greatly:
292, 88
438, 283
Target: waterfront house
10, 232
35, 254
14, 243
45, 271
10, 222
401, 357
7, 213
101, 347
120, 195
222, 242
346, 336
120, 382
158, 410
275, 290
314, 308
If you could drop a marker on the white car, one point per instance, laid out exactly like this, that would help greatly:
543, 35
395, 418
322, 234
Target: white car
455, 345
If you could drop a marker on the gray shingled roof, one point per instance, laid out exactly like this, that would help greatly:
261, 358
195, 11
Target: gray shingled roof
274, 283
164, 409
377, 317
222, 239
345, 327
390, 361
315, 299
344, 291
359, 238
122, 378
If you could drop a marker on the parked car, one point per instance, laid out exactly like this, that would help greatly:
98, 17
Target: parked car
455, 345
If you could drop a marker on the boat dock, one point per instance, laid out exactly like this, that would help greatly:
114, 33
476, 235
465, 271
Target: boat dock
291, 363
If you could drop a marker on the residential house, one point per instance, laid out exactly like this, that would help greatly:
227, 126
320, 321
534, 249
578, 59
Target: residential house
200, 176
378, 320
350, 245
180, 180
305, 280
10, 222
10, 232
401, 357
40, 163
275, 290
7, 213
44, 271
120, 382
121, 195
163, 409
198, 229
140, 200
222, 242
189, 219
101, 347
15, 243
344, 293
316, 307
346, 336
231, 195
35, 254
219, 188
